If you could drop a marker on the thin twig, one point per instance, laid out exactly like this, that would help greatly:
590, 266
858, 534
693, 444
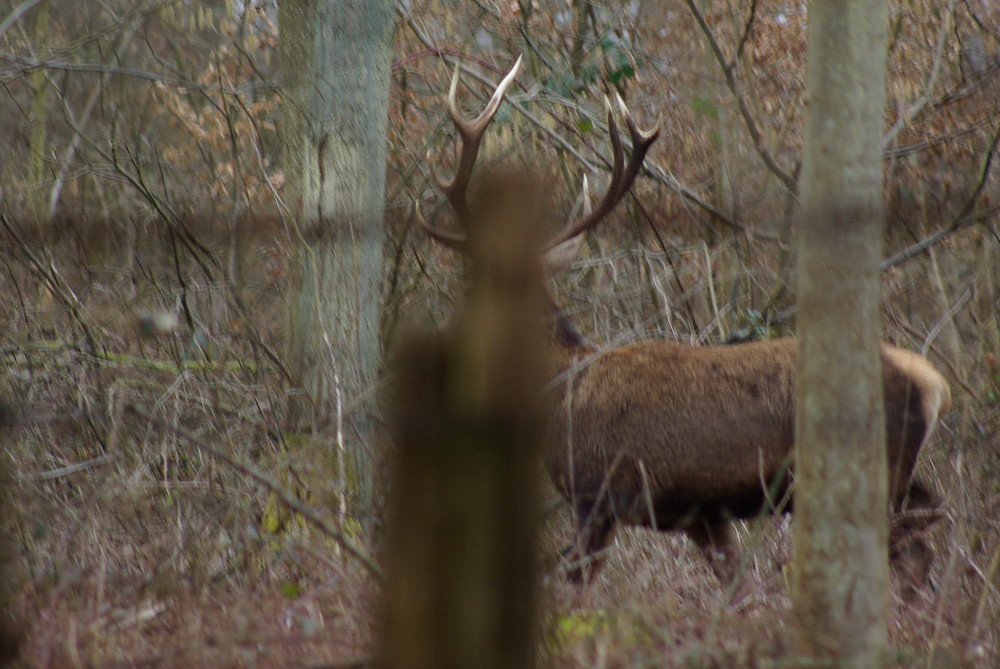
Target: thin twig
20, 67
917, 105
341, 447
931, 240
788, 180
747, 27
964, 216
16, 15
61, 472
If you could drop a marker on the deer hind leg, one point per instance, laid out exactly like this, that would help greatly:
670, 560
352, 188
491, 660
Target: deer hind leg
717, 542
595, 527
910, 553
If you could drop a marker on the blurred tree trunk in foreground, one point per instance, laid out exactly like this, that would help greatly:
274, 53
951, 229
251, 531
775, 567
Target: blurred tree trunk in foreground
467, 418
840, 526
335, 59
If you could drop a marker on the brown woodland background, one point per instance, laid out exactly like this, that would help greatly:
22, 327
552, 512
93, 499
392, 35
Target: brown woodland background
157, 513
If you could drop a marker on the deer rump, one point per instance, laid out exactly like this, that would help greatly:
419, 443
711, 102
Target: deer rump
676, 437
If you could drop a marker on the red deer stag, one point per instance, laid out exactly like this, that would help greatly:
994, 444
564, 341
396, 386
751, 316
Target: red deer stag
678, 437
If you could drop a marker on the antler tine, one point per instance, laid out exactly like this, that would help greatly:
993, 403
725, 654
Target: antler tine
452, 240
622, 174
641, 141
474, 128
471, 132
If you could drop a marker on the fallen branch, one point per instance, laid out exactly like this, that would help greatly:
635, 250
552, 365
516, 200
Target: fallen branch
286, 498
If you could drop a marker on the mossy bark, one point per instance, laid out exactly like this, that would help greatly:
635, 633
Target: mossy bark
840, 528
336, 60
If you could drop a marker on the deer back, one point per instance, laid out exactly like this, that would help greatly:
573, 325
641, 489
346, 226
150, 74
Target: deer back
708, 429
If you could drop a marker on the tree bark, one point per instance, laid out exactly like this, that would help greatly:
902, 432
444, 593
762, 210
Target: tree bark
336, 59
467, 420
840, 528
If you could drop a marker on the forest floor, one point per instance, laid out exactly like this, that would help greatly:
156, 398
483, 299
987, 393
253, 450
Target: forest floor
140, 354
127, 547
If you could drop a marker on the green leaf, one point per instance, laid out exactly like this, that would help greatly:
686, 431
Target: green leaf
705, 107
623, 72
290, 590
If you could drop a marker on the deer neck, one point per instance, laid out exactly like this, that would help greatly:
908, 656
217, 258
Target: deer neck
569, 346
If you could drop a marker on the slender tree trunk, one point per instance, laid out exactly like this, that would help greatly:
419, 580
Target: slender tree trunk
840, 526
335, 62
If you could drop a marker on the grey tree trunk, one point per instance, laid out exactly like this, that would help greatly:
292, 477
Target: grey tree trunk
336, 59
840, 527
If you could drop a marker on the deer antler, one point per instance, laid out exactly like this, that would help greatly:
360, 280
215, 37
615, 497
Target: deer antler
471, 131
622, 174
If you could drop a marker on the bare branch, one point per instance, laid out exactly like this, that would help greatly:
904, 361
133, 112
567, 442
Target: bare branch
962, 219
787, 179
917, 105
16, 15
286, 498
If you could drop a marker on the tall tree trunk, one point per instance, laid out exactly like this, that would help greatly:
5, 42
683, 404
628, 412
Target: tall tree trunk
335, 60
840, 527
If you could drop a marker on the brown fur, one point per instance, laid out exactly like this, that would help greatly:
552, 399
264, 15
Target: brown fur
677, 437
